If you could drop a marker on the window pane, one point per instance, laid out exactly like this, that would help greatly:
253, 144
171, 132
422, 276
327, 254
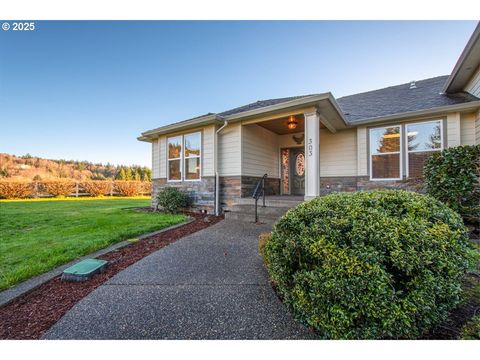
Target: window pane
174, 170
192, 145
192, 168
386, 166
174, 147
385, 140
416, 161
424, 136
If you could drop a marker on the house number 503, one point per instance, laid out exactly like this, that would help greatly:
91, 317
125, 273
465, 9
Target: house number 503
310, 147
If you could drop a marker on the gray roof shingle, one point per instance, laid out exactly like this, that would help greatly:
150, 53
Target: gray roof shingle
400, 99
260, 104
377, 103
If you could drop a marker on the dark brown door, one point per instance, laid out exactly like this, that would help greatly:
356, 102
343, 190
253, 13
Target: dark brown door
297, 171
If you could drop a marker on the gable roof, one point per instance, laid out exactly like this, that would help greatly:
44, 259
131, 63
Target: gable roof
370, 106
399, 99
261, 104
466, 66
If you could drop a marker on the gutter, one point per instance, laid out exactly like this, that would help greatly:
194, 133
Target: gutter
217, 177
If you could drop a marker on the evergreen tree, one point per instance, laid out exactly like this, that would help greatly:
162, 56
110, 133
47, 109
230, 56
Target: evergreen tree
128, 174
121, 174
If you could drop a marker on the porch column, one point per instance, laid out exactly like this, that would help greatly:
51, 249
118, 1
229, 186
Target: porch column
312, 155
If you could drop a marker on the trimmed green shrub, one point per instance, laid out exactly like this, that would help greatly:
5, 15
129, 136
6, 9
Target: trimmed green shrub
453, 177
369, 265
172, 200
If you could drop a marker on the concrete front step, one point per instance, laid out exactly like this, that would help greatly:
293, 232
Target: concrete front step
268, 214
250, 217
275, 202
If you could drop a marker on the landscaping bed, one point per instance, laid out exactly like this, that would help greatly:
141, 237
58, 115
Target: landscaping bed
451, 329
29, 316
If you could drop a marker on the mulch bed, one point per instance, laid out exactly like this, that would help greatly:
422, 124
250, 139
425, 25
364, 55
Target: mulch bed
469, 307
31, 315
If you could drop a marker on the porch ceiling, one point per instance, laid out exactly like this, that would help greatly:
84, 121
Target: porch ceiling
279, 126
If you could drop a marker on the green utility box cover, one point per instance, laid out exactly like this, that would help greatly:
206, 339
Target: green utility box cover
84, 270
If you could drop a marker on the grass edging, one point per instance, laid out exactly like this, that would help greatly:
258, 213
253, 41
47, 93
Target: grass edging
27, 286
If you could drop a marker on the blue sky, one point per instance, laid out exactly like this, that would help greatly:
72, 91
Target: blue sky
86, 90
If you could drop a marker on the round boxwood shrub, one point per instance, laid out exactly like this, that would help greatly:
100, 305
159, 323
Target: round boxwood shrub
172, 200
453, 177
369, 265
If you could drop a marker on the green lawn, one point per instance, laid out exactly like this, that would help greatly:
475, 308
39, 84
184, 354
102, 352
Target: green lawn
37, 236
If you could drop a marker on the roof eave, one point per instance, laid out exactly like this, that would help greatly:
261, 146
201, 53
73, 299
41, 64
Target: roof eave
296, 103
453, 85
473, 105
154, 133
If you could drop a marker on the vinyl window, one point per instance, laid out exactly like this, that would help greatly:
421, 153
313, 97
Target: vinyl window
422, 140
385, 153
184, 157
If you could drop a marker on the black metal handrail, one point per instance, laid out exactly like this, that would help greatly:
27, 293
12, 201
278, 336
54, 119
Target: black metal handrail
259, 191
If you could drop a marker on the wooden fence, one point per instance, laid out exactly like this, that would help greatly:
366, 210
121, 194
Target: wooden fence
39, 189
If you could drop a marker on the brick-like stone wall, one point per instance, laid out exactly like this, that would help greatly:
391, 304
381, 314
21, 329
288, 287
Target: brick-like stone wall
233, 187
230, 189
201, 192
336, 184
272, 185
362, 183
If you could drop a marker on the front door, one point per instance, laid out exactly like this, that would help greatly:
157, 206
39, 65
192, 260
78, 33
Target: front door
297, 171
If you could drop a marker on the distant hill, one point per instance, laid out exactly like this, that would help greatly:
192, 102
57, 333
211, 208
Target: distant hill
29, 167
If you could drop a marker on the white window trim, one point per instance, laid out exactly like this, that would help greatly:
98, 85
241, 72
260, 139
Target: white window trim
390, 153
192, 157
417, 151
182, 158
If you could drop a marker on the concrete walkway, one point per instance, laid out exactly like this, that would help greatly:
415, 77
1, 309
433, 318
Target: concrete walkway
209, 285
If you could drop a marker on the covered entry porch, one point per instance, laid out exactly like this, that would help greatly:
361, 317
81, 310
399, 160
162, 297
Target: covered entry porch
287, 148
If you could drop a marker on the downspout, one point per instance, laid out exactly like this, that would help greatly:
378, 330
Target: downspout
217, 178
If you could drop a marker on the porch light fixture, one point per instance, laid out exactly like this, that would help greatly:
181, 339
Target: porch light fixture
292, 122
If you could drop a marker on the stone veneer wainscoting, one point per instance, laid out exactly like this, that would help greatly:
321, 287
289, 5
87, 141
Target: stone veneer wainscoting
202, 192
234, 187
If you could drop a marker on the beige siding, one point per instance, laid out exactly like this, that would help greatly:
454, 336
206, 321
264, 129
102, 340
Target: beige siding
229, 150
338, 153
473, 87
260, 152
362, 151
287, 141
453, 130
467, 129
155, 159
208, 157
163, 156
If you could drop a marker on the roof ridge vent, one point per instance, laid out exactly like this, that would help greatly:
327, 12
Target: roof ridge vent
413, 85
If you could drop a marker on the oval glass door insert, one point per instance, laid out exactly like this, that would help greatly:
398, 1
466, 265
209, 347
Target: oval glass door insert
300, 165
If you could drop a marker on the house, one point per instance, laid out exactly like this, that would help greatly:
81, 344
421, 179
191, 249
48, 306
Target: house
312, 144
